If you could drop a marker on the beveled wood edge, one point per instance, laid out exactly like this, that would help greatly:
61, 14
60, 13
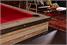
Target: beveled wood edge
16, 33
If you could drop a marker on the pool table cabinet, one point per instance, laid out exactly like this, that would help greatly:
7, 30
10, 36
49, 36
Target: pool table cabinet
14, 31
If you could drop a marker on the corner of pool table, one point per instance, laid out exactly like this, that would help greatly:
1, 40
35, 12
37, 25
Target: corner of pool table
19, 24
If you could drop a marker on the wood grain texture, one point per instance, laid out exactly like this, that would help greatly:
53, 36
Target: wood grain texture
23, 34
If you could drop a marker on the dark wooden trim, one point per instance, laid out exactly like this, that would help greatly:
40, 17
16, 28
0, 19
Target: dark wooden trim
4, 31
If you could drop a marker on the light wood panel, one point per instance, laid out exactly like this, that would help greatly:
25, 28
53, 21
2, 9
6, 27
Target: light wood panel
23, 34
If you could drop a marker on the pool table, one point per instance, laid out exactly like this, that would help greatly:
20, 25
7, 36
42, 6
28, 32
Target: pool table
19, 24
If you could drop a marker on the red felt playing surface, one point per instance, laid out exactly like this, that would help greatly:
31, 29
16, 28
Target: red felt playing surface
10, 14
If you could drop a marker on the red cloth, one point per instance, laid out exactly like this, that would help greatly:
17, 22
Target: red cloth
49, 14
10, 14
